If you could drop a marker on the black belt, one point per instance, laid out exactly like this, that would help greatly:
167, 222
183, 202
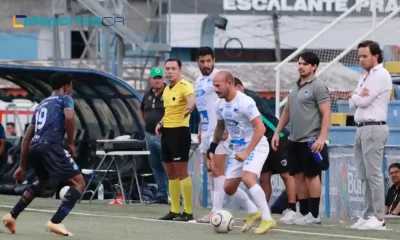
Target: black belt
370, 123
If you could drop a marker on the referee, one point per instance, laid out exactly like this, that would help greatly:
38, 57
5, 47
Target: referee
179, 102
309, 111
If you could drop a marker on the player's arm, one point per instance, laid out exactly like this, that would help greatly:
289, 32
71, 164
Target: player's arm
142, 106
190, 97
324, 105
219, 131
284, 120
69, 119
253, 115
29, 133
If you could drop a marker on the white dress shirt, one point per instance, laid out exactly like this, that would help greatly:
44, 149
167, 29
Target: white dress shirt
373, 108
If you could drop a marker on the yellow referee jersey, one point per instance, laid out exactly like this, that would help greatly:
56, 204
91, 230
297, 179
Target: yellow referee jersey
175, 104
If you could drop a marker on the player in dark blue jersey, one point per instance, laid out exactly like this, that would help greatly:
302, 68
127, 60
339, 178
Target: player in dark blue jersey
43, 148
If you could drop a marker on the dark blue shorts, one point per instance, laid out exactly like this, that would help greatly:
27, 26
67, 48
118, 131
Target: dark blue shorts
52, 161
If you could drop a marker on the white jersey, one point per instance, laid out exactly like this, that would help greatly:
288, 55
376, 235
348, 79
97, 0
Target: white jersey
205, 103
238, 115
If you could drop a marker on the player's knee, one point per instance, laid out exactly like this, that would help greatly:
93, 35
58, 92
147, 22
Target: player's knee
249, 179
285, 177
265, 178
78, 182
229, 189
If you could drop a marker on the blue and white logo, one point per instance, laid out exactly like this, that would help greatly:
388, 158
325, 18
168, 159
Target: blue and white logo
204, 120
201, 103
231, 123
200, 92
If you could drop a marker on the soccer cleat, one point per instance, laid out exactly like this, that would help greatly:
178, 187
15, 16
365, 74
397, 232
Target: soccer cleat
184, 217
58, 229
170, 216
265, 226
205, 219
251, 219
9, 223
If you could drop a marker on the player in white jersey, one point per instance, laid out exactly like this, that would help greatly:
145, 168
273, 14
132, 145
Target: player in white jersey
239, 114
205, 103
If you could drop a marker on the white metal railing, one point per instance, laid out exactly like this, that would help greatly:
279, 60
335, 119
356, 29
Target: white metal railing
358, 3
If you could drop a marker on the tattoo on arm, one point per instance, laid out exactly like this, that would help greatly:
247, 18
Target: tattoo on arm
219, 131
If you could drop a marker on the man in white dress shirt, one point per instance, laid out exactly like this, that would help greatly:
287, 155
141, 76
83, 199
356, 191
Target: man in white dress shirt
371, 100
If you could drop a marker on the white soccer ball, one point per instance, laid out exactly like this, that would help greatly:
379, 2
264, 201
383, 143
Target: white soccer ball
222, 221
63, 191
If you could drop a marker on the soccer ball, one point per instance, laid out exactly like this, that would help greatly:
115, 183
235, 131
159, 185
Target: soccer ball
63, 191
222, 221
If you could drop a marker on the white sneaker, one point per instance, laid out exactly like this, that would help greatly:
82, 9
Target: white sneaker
361, 221
288, 217
307, 220
373, 224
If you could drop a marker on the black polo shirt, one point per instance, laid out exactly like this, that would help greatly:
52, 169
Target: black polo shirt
153, 109
392, 198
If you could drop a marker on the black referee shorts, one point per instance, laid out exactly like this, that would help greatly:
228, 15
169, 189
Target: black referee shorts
302, 159
175, 144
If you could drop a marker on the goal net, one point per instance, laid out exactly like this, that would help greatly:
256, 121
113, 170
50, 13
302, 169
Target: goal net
335, 39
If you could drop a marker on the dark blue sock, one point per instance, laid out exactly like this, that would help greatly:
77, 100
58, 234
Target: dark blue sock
68, 203
26, 198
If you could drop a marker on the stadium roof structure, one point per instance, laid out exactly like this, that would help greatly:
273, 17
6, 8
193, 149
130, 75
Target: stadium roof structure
103, 102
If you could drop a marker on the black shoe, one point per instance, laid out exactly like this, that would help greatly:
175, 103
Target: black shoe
184, 217
160, 201
170, 216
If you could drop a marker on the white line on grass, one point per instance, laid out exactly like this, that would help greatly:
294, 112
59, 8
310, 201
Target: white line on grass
156, 220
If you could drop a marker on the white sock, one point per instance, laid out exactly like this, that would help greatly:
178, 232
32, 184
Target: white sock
219, 193
259, 199
242, 199
210, 180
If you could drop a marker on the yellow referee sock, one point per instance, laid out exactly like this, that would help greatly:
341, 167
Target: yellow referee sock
175, 194
187, 191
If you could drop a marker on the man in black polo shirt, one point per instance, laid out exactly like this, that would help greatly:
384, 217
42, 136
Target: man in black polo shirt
152, 109
392, 202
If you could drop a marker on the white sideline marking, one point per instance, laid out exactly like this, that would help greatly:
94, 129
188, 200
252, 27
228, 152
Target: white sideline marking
156, 220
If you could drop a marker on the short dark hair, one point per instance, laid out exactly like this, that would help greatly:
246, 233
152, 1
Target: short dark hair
60, 79
10, 124
177, 60
309, 57
373, 48
204, 51
394, 165
237, 81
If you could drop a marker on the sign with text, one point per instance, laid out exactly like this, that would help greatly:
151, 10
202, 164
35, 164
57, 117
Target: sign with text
23, 21
335, 6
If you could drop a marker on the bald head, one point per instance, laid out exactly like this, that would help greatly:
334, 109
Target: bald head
223, 83
225, 75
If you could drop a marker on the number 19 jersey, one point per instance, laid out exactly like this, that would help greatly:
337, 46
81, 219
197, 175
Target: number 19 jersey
49, 119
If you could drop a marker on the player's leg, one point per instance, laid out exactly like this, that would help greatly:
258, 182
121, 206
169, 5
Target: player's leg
180, 155
30, 192
231, 186
61, 166
174, 186
217, 177
251, 171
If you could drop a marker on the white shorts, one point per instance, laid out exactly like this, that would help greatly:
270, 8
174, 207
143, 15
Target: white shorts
223, 146
254, 163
